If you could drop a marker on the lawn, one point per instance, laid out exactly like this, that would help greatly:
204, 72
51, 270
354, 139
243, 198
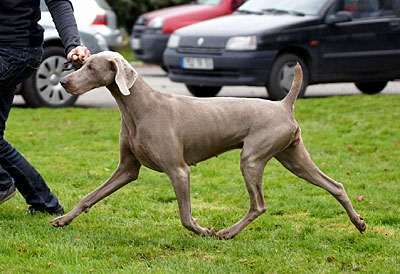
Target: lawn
128, 54
353, 139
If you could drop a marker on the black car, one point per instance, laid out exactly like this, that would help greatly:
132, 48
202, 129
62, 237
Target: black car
334, 41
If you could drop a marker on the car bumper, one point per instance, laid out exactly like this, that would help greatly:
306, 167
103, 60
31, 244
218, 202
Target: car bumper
113, 37
230, 68
149, 48
115, 40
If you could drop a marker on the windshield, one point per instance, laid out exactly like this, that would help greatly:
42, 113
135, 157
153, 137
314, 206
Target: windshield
308, 7
208, 2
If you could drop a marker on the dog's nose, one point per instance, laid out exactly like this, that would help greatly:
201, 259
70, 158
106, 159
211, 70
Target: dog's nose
63, 82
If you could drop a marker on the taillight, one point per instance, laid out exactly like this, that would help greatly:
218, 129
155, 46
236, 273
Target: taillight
101, 19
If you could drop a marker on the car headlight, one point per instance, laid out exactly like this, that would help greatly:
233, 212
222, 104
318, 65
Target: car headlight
157, 23
173, 41
242, 43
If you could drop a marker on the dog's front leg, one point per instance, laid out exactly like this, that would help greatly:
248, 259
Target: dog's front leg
180, 178
117, 180
127, 171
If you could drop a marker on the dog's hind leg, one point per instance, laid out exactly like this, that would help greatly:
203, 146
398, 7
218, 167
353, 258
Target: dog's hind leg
296, 159
252, 166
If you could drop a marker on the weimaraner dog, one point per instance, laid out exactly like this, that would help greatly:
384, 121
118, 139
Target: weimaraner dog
169, 133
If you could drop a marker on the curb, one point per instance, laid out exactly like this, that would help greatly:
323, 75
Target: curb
142, 65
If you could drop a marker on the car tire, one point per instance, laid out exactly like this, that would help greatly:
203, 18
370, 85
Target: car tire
371, 87
164, 68
203, 91
281, 76
43, 88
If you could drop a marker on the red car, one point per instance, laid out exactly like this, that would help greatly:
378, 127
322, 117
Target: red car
152, 30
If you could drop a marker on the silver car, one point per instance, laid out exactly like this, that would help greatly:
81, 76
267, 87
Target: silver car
98, 15
43, 88
95, 16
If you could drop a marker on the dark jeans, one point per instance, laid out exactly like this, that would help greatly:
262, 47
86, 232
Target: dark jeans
16, 65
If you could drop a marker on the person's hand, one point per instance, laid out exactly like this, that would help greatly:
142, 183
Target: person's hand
78, 55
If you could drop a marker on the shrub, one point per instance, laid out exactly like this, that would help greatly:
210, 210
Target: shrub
129, 10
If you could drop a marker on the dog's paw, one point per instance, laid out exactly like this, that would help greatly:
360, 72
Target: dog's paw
360, 224
60, 221
209, 232
225, 234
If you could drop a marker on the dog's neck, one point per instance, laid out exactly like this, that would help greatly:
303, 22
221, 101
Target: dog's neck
141, 95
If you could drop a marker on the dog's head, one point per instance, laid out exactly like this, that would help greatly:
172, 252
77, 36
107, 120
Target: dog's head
101, 69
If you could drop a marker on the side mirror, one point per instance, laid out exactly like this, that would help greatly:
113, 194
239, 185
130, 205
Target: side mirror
339, 17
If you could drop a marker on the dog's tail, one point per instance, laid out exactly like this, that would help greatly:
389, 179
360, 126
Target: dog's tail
295, 89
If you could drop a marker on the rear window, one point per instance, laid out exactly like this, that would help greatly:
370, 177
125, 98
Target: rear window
208, 2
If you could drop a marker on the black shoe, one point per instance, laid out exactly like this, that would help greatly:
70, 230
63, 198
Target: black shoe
7, 194
59, 210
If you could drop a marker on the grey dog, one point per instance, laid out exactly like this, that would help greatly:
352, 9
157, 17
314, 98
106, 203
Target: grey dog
169, 133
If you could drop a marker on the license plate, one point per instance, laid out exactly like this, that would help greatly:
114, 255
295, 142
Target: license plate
197, 63
135, 43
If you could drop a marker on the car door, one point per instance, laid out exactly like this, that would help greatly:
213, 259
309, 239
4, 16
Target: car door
367, 44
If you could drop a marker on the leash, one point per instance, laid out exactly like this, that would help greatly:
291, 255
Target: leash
73, 65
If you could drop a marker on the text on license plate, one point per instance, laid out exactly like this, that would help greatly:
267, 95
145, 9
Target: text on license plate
197, 63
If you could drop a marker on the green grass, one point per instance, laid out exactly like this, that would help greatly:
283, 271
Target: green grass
354, 139
128, 54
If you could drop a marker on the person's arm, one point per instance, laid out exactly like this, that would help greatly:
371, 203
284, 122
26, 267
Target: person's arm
63, 17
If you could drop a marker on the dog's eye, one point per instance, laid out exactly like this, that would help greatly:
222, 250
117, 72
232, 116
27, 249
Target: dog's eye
89, 67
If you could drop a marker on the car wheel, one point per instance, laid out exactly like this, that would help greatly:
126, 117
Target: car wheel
371, 87
43, 88
281, 76
164, 68
203, 91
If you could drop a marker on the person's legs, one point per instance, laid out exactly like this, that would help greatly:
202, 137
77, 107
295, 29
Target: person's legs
7, 186
27, 180
6, 181
19, 65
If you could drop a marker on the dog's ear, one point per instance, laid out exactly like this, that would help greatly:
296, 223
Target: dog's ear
125, 75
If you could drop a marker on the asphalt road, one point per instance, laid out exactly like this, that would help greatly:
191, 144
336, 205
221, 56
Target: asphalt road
158, 79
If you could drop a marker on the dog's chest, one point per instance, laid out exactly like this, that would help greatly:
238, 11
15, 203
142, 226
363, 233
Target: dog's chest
144, 154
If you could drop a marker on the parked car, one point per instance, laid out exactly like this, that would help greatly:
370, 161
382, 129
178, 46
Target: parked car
334, 41
99, 16
43, 88
93, 16
152, 30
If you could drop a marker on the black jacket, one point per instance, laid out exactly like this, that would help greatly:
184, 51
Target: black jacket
19, 23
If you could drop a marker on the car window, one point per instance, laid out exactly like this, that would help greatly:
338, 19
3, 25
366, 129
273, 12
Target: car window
103, 4
309, 7
208, 2
43, 6
367, 8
